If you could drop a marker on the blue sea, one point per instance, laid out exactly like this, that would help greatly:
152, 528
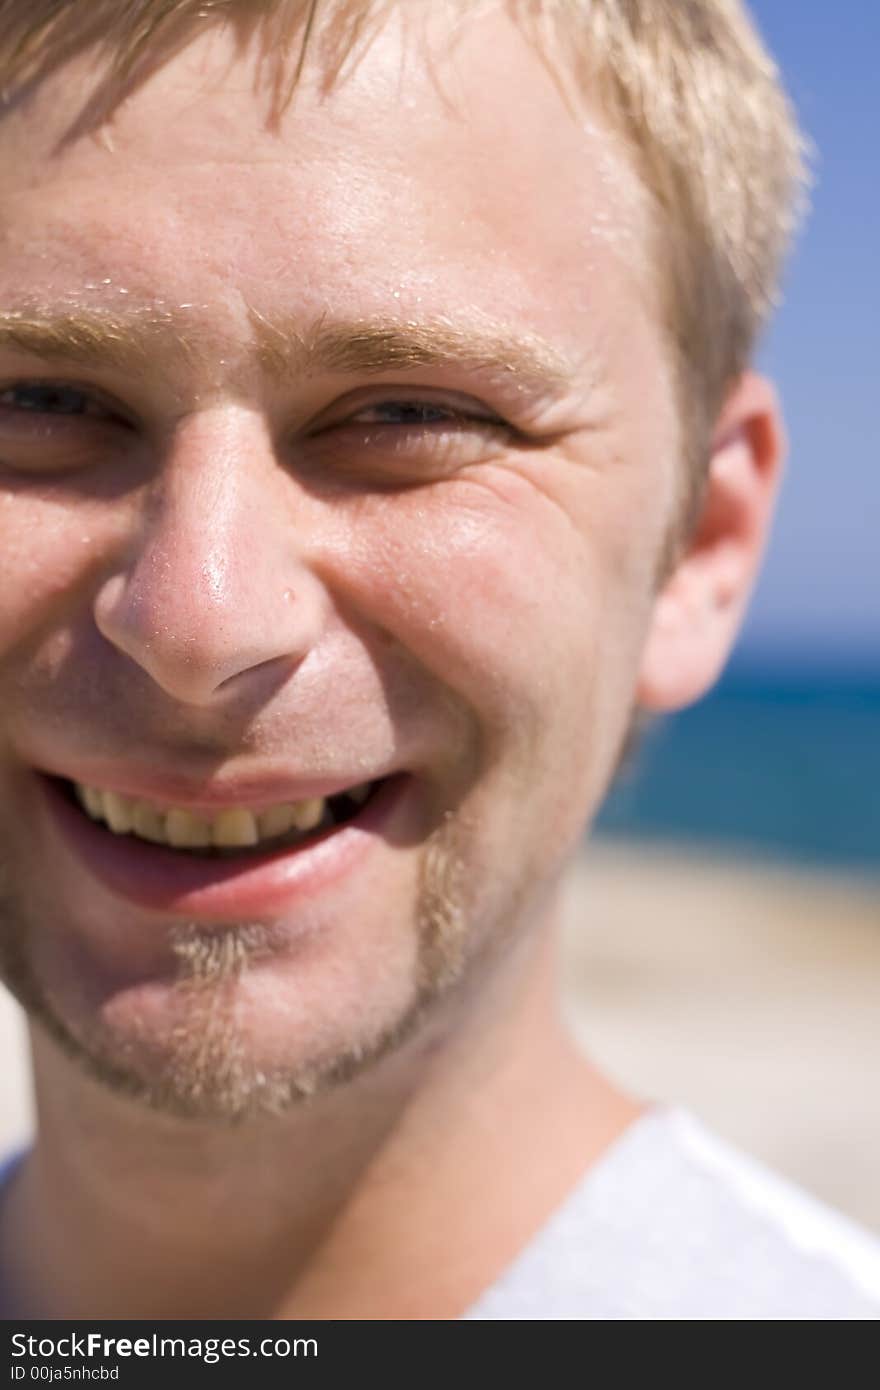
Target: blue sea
782, 763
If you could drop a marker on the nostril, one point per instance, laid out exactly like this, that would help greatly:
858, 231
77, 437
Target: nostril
195, 633
283, 664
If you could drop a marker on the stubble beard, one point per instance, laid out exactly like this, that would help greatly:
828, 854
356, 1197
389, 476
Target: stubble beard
208, 1070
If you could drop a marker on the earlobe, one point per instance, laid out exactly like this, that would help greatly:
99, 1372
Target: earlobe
700, 608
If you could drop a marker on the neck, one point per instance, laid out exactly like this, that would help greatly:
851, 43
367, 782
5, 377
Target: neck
435, 1163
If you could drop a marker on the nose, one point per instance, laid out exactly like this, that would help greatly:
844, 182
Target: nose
214, 585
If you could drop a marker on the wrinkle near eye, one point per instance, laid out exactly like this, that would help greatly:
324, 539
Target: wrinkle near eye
502, 482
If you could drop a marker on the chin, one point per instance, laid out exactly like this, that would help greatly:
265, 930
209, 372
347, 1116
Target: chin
241, 1025
226, 1021
235, 1034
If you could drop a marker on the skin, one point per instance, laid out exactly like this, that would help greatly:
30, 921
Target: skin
251, 592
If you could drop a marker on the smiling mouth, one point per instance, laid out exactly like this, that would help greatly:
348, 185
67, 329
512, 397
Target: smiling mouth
230, 833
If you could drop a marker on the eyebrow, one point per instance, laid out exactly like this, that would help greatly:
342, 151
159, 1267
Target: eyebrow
89, 338
377, 345
519, 359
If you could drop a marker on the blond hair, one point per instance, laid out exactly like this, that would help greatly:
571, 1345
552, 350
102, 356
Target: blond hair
687, 83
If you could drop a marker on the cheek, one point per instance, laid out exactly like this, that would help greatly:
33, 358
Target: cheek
45, 545
489, 583
459, 576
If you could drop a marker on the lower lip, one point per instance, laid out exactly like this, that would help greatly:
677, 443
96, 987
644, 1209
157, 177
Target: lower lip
151, 876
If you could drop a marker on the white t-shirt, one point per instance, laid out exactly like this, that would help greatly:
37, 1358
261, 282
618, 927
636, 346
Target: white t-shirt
673, 1223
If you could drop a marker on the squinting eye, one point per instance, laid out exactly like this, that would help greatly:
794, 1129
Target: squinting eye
403, 440
406, 413
51, 427
39, 399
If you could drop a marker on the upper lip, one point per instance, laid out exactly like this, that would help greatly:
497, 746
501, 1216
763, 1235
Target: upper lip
253, 792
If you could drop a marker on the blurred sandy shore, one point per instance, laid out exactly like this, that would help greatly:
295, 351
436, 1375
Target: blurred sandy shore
749, 993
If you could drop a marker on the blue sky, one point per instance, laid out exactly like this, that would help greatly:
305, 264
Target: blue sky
819, 594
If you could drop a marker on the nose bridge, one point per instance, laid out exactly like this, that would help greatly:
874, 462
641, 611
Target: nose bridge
201, 521
214, 583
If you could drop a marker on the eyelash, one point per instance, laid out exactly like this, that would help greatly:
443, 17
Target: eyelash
449, 413
94, 408
348, 444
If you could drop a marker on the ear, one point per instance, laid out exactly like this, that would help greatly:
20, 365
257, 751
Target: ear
699, 611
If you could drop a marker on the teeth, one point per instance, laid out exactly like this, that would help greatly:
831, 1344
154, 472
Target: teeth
276, 821
186, 831
91, 800
118, 813
234, 827
307, 814
148, 823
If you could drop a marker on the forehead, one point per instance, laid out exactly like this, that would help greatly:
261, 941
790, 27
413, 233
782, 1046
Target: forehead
445, 172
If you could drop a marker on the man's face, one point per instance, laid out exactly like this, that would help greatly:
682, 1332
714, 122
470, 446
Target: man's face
249, 555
